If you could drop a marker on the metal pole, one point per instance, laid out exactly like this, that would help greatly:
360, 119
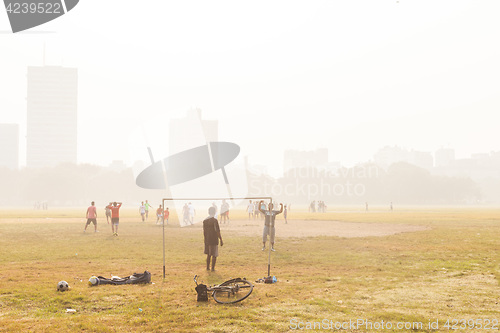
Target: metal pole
163, 225
230, 198
270, 246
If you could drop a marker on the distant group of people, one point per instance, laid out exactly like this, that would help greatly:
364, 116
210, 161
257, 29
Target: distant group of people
44, 205
144, 210
188, 213
224, 211
321, 207
162, 216
254, 209
112, 212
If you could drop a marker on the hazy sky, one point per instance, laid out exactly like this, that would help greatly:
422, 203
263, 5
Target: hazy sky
352, 76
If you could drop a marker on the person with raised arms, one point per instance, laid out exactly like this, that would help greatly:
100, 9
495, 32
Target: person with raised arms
269, 221
115, 216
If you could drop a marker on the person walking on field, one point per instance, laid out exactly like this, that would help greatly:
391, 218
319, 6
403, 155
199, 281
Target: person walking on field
285, 214
108, 212
159, 215
211, 235
185, 214
142, 210
270, 218
91, 217
115, 216
192, 213
262, 206
224, 211
147, 206
166, 215
250, 208
216, 210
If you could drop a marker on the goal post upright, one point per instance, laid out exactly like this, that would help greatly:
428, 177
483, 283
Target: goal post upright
210, 199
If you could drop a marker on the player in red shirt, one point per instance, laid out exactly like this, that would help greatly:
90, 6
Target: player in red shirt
159, 215
166, 214
115, 216
91, 217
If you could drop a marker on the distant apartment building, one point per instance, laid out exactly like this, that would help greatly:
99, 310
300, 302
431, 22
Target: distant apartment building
9, 146
191, 131
478, 167
51, 116
387, 156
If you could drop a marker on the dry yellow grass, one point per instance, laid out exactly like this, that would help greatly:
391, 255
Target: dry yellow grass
449, 270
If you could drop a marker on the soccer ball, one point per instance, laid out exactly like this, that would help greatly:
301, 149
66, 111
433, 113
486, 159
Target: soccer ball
62, 286
93, 281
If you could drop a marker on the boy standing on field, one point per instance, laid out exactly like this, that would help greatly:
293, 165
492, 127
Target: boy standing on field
91, 217
211, 234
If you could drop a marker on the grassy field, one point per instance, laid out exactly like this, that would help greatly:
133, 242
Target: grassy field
448, 271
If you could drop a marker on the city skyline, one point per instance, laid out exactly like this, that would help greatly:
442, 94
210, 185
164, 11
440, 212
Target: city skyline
442, 161
407, 74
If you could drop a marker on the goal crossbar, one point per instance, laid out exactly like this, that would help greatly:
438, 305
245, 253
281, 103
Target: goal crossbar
208, 199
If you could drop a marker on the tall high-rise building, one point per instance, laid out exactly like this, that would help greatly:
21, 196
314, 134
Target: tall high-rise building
52, 116
9, 146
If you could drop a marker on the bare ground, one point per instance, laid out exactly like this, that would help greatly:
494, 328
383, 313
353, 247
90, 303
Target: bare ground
311, 228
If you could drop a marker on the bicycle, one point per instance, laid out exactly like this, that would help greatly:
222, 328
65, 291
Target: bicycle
231, 291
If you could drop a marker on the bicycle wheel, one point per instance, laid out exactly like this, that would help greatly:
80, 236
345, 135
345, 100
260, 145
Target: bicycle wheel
236, 290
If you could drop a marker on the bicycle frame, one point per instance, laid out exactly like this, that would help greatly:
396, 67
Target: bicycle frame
232, 288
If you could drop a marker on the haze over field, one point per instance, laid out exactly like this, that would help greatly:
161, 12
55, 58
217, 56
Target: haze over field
349, 76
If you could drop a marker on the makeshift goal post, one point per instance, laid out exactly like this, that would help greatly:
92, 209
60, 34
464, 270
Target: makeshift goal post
210, 200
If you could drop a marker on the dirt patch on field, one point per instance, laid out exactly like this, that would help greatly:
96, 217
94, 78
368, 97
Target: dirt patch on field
308, 228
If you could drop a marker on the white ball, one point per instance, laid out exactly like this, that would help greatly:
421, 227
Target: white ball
62, 286
93, 281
